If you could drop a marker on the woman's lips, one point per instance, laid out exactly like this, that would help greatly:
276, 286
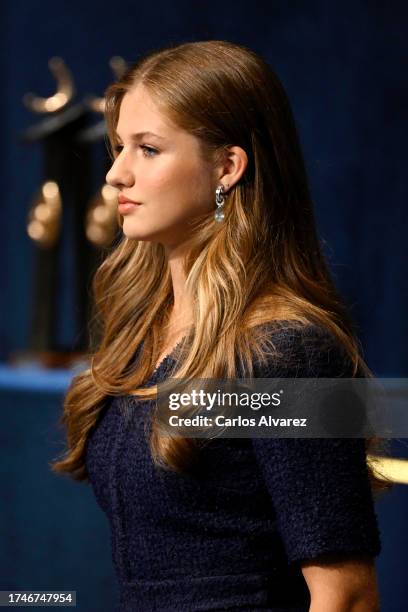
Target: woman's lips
127, 207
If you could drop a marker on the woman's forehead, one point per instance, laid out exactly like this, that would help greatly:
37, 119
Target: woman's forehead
139, 114
140, 117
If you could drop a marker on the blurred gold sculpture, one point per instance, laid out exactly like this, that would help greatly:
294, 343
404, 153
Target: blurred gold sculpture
101, 223
63, 95
101, 219
44, 218
119, 67
60, 303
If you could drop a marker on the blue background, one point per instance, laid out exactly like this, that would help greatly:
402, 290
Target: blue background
344, 67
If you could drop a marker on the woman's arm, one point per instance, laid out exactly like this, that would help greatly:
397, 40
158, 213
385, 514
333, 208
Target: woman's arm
342, 586
321, 492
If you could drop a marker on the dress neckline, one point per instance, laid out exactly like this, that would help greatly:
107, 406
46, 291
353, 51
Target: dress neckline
168, 357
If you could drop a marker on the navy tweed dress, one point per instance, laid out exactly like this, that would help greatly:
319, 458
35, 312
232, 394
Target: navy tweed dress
231, 533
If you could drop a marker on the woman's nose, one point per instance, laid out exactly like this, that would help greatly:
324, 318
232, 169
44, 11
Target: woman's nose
119, 175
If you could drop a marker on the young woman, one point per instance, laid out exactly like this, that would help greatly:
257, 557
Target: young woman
219, 273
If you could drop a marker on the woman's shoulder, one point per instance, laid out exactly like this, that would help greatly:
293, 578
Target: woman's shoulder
300, 349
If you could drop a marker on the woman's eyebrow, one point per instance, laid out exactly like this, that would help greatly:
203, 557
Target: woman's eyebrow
140, 135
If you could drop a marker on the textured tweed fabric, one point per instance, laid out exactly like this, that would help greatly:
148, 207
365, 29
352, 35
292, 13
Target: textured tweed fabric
230, 534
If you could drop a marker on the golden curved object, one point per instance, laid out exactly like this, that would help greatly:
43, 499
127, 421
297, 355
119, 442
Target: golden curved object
101, 221
44, 218
389, 468
63, 95
119, 67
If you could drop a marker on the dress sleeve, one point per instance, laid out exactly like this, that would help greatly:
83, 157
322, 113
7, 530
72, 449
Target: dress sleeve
319, 487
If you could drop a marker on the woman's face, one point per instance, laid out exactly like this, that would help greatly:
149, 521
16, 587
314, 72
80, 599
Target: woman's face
162, 170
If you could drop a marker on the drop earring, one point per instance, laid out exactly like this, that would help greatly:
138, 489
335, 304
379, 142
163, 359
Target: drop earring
219, 200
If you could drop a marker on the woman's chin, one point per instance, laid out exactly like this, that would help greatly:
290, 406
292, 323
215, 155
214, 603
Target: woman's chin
134, 233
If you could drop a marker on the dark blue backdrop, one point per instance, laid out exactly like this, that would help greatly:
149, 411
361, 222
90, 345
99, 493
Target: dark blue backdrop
344, 67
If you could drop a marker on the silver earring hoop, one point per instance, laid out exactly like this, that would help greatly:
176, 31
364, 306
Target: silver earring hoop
219, 200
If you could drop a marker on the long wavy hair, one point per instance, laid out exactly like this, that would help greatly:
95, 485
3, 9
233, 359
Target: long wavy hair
263, 263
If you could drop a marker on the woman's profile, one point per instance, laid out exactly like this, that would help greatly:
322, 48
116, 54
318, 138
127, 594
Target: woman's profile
219, 273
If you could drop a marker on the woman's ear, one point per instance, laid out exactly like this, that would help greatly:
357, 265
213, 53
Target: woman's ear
233, 166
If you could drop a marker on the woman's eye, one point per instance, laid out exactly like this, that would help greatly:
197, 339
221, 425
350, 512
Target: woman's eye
148, 151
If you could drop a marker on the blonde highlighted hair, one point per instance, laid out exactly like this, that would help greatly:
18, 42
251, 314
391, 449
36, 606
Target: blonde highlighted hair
263, 263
